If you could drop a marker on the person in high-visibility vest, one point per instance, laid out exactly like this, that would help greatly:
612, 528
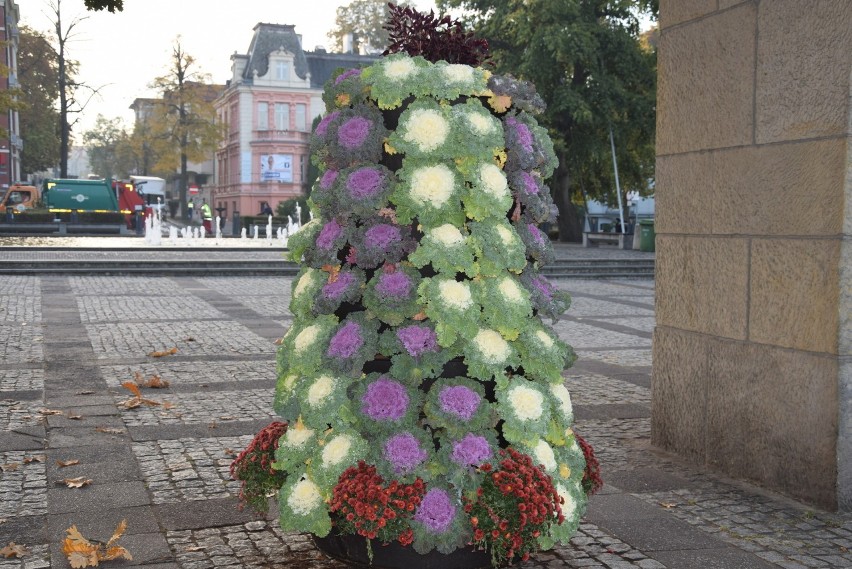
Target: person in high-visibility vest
190, 208
207, 217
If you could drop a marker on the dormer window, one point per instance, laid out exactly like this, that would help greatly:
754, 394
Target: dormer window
282, 70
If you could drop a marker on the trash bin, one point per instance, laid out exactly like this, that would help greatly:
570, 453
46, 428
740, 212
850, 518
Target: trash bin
646, 235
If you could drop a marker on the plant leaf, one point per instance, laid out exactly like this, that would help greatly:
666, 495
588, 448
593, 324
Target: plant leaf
132, 388
169, 352
119, 531
64, 463
34, 458
14, 550
78, 482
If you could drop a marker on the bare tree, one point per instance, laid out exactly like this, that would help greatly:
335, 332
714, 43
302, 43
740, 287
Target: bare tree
74, 96
184, 119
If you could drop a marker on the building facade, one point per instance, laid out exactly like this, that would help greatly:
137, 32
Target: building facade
269, 103
11, 143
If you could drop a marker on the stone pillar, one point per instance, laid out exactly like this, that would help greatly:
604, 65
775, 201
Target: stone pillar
753, 345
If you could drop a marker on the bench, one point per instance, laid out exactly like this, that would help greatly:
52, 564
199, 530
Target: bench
620, 240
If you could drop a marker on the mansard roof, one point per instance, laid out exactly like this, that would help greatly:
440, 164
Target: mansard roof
322, 64
272, 37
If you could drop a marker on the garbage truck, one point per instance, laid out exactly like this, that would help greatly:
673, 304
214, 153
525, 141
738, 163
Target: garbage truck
97, 196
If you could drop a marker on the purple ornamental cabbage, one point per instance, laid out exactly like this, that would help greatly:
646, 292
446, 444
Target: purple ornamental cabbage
329, 233
364, 183
525, 138
382, 236
328, 179
537, 234
459, 400
530, 185
471, 450
346, 75
417, 340
385, 400
336, 289
322, 127
353, 132
396, 284
436, 511
544, 287
404, 453
346, 342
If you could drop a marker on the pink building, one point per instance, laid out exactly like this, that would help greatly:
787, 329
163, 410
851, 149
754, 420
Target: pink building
12, 143
274, 94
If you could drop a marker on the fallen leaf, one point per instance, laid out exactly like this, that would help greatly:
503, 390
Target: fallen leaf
227, 418
156, 382
190, 339
14, 550
192, 548
88, 392
10, 466
168, 405
75, 417
668, 505
84, 553
78, 482
132, 388
169, 352
3, 520
109, 430
45, 411
212, 425
34, 458
230, 452
64, 463
278, 341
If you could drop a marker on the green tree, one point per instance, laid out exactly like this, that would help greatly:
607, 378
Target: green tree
183, 123
111, 5
364, 20
587, 62
108, 145
38, 77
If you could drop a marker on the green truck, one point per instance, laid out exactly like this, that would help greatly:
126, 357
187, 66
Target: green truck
95, 196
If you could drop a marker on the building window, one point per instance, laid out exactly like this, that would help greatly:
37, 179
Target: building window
262, 116
282, 116
302, 168
282, 70
300, 117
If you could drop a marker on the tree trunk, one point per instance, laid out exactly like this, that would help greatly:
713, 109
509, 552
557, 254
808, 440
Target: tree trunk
64, 129
183, 184
570, 228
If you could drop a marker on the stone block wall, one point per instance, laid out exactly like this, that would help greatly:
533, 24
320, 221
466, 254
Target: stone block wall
753, 347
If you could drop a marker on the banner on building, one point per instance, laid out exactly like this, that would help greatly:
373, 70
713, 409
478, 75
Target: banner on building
276, 167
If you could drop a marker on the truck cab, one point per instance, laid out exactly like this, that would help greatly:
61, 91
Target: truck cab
18, 198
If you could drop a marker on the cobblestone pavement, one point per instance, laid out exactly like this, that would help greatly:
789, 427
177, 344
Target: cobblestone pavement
70, 342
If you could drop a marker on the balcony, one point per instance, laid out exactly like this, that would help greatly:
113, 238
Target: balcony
281, 136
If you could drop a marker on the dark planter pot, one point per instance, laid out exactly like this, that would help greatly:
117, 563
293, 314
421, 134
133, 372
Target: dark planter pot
352, 549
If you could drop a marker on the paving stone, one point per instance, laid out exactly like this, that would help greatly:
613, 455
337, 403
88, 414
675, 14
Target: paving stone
216, 407
182, 373
144, 308
22, 343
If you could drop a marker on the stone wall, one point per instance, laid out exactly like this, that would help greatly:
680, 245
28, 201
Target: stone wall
753, 347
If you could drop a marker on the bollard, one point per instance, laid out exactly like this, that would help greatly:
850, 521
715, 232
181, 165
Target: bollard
236, 226
139, 222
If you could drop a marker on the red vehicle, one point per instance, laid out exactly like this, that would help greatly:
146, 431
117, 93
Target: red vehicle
145, 193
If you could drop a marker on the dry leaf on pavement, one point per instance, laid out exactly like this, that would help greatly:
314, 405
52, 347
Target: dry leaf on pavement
78, 482
34, 458
169, 352
64, 463
14, 550
75, 417
137, 400
46, 411
83, 553
155, 381
9, 466
109, 430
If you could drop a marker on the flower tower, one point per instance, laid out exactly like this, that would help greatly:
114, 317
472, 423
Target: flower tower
423, 391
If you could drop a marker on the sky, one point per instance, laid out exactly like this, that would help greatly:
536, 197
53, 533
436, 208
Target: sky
123, 52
